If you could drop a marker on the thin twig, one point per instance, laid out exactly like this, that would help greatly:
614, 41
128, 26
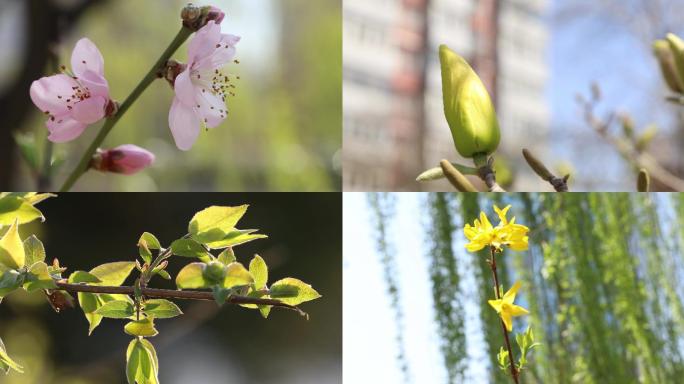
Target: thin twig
497, 294
558, 183
172, 294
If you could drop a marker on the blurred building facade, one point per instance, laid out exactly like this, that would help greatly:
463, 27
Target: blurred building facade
394, 124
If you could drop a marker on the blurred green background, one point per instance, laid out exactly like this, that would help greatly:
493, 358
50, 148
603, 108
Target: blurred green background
284, 127
207, 345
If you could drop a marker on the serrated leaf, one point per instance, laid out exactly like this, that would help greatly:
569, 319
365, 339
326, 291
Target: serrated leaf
236, 275
83, 277
188, 248
113, 273
293, 291
38, 277
13, 208
117, 309
12, 254
236, 237
143, 327
6, 362
214, 223
161, 308
190, 277
259, 270
34, 250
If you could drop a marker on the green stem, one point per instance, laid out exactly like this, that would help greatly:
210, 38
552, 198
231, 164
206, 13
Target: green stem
84, 163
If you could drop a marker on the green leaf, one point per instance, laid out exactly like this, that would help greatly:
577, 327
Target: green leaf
236, 237
164, 274
117, 309
293, 291
83, 277
113, 273
34, 250
236, 275
220, 294
89, 304
12, 254
142, 365
214, 223
190, 277
150, 240
6, 362
133, 357
259, 270
143, 327
144, 252
226, 256
34, 198
188, 248
38, 277
9, 281
161, 309
13, 208
154, 361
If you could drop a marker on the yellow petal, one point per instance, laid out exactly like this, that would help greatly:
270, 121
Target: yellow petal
502, 214
516, 310
474, 246
496, 304
11, 248
506, 317
485, 221
510, 295
469, 232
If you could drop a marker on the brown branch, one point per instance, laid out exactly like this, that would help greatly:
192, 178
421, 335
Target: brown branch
172, 294
497, 294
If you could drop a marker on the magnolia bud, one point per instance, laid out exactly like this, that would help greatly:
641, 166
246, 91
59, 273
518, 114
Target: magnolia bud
661, 49
127, 159
677, 49
467, 106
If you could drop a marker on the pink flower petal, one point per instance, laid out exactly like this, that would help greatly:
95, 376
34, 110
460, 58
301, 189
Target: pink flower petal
49, 94
86, 57
212, 108
95, 84
185, 91
128, 159
90, 110
204, 42
224, 53
184, 124
64, 129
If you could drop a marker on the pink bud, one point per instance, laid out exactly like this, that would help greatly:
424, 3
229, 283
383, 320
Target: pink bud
215, 14
127, 159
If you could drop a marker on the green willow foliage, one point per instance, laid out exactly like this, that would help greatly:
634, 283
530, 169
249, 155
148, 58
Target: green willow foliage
602, 277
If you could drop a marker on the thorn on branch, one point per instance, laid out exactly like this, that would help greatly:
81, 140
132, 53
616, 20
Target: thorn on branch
559, 184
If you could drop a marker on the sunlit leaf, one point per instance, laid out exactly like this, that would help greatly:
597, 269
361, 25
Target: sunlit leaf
117, 309
259, 270
34, 250
214, 223
161, 308
190, 277
38, 277
150, 240
113, 273
83, 277
236, 275
293, 291
16, 208
226, 256
12, 254
236, 237
143, 327
188, 248
10, 280
6, 362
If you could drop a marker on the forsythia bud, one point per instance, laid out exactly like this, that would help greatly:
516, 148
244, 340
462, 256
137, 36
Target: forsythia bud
661, 49
127, 159
467, 106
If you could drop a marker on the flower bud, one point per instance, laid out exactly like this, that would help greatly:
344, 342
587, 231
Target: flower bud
467, 107
677, 48
127, 159
661, 49
214, 273
195, 17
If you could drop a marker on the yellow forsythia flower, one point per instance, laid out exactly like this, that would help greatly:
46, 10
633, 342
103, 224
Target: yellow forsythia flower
482, 234
506, 309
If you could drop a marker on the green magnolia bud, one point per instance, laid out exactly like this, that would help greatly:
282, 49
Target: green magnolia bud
661, 49
214, 273
677, 49
467, 106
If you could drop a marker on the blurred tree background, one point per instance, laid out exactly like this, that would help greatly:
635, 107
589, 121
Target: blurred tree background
207, 344
283, 130
602, 280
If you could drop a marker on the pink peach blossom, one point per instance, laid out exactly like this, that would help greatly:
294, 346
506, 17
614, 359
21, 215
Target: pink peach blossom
201, 89
127, 159
72, 103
